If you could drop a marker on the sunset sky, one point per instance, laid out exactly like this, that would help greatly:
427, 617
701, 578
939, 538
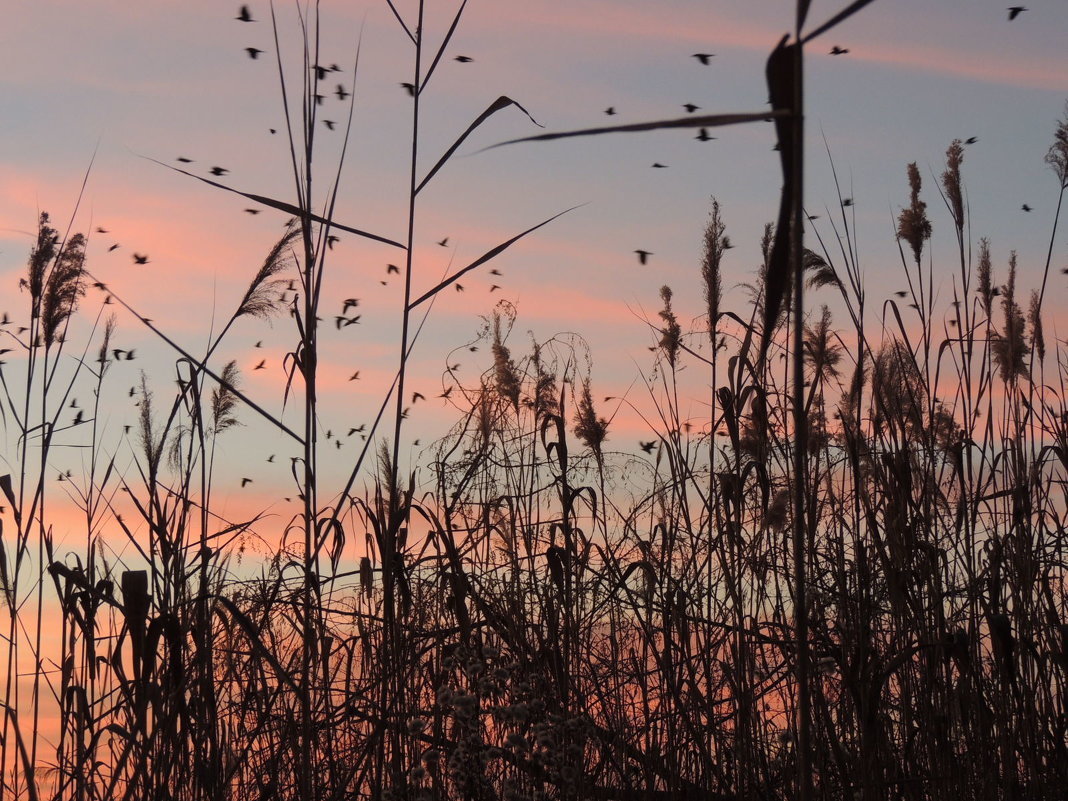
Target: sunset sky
139, 81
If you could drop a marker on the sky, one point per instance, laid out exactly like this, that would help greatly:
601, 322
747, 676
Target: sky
122, 86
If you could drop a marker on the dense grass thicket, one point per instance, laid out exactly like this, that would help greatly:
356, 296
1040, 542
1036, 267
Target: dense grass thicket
540, 617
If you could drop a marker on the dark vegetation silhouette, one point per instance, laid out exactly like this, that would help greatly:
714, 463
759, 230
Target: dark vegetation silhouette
846, 582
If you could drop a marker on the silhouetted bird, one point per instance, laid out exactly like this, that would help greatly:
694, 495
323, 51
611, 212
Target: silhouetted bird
139, 259
446, 393
113, 247
703, 135
341, 93
647, 446
839, 51
392, 268
704, 58
1015, 11
245, 482
261, 365
100, 230
244, 15
350, 302
494, 287
847, 201
444, 242
495, 271
355, 376
219, 171
331, 240
643, 256
658, 166
329, 124
270, 458
409, 88
1025, 207
971, 140
184, 160
418, 396
464, 59
901, 293
252, 211
459, 287
610, 111
253, 52
690, 107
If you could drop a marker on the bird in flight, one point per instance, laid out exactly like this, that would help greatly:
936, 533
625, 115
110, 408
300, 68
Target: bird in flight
184, 160
643, 256
971, 140
658, 166
703, 135
647, 446
245, 482
261, 365
329, 124
847, 201
253, 52
392, 268
341, 93
218, 171
610, 111
252, 211
355, 376
1025, 207
1015, 11
409, 88
839, 51
349, 303
100, 230
690, 107
444, 242
140, 259
113, 247
704, 58
244, 15
464, 59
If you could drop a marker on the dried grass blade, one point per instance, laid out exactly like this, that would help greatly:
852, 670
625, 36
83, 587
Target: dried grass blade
444, 44
281, 205
500, 103
705, 121
841, 16
489, 254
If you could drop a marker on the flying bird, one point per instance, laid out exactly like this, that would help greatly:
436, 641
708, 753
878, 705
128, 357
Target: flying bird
355, 376
703, 135
444, 242
184, 160
244, 15
253, 52
704, 58
464, 59
392, 268
839, 51
139, 259
1025, 207
647, 446
349, 303
341, 93
252, 211
610, 111
261, 365
446, 393
329, 124
459, 287
113, 247
847, 201
643, 256
495, 271
100, 230
409, 88
418, 396
245, 482
495, 287
1015, 11
219, 171
971, 140
658, 166
690, 107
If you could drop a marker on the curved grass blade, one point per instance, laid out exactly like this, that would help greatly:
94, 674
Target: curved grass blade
400, 19
489, 254
704, 121
500, 103
281, 205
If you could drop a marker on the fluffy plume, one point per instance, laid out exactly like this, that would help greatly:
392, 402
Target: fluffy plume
505, 373
715, 244
589, 428
1034, 320
986, 283
64, 285
951, 182
671, 333
912, 224
1009, 346
40, 257
223, 401
1057, 157
261, 298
